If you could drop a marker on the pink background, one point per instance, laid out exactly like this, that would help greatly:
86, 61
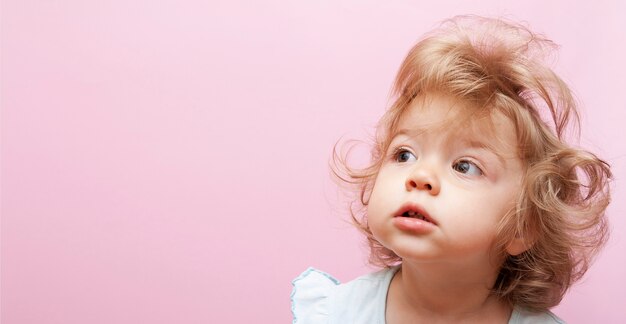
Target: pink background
166, 161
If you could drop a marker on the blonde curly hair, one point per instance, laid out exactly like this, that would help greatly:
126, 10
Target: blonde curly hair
498, 66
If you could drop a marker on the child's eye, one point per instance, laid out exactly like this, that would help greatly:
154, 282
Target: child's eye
403, 155
467, 167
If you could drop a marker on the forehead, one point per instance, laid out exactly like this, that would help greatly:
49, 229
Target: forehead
440, 116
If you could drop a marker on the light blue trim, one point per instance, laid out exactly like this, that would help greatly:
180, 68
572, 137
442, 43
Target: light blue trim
522, 315
302, 276
555, 318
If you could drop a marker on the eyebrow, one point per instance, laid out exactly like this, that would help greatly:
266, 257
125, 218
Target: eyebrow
409, 132
484, 146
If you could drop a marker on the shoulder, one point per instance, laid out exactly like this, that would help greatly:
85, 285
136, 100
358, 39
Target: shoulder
318, 297
309, 295
523, 316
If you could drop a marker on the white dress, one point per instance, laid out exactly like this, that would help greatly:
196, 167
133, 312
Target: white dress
319, 298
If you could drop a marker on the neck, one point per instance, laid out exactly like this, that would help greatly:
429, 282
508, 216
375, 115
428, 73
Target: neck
428, 290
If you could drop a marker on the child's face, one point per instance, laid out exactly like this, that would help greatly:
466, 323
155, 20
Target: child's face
464, 179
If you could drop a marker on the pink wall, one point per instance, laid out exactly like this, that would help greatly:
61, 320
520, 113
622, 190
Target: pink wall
166, 161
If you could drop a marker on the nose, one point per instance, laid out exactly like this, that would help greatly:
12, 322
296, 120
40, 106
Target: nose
423, 178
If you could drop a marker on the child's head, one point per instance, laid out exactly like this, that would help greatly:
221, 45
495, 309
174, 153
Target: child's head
477, 131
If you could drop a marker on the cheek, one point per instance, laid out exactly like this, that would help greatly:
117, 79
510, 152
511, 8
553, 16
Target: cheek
481, 214
383, 190
379, 206
507, 198
375, 205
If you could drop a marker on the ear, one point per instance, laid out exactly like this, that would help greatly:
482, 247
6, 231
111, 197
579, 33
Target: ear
518, 245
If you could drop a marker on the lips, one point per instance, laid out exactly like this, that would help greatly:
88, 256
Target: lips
411, 210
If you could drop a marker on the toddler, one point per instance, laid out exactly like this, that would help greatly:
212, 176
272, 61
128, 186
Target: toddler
474, 205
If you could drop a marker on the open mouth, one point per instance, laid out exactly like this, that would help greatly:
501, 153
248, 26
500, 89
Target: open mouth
417, 215
414, 211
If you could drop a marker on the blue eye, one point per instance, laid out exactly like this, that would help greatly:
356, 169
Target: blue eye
467, 167
402, 155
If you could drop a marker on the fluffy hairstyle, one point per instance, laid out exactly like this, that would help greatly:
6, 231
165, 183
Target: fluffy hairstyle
494, 65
